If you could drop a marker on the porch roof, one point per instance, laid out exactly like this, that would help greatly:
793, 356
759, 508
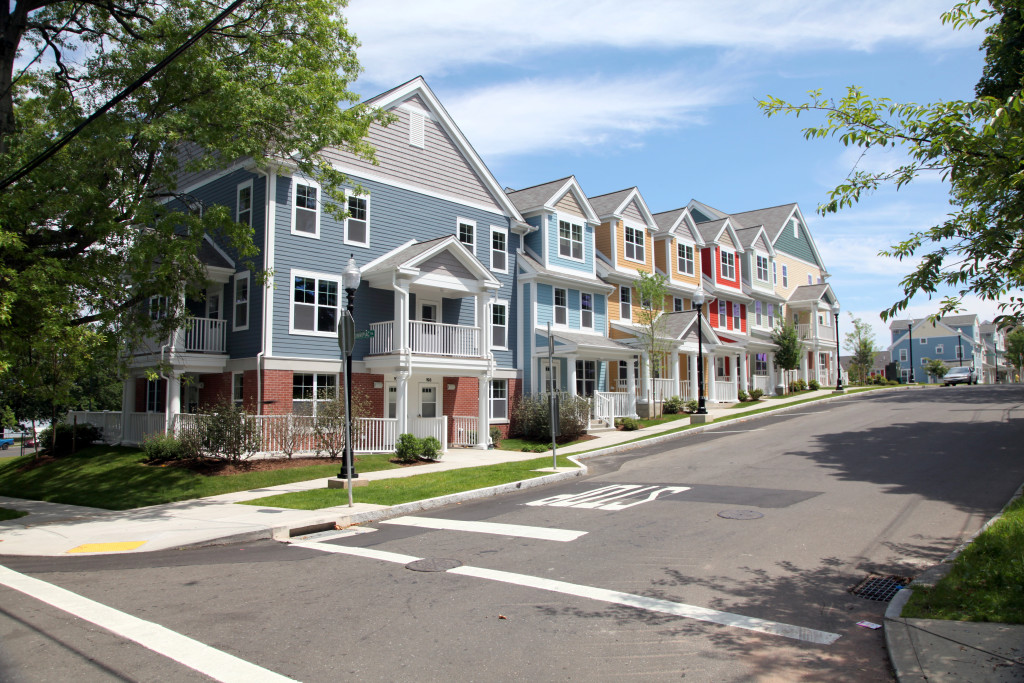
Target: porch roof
572, 342
408, 259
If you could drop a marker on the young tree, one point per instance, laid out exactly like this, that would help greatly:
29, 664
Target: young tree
934, 366
787, 341
975, 145
98, 228
861, 344
652, 288
1015, 350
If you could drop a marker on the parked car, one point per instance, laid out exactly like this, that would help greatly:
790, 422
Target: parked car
5, 444
960, 375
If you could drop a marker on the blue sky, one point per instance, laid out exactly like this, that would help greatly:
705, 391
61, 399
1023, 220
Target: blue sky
662, 95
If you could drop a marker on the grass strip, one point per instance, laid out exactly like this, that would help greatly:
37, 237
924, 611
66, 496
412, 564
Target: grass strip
986, 582
417, 487
115, 478
7, 513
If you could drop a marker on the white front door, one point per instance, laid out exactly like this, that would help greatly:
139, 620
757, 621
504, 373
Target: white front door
428, 400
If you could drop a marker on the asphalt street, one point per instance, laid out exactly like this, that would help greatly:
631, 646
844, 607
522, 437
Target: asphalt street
726, 556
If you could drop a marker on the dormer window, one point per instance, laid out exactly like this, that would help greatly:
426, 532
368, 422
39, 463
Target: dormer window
728, 265
570, 240
635, 244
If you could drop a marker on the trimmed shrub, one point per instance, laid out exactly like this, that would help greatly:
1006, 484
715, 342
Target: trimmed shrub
629, 424
162, 448
495, 436
430, 448
673, 406
407, 449
692, 405
814, 385
742, 396
756, 394
68, 437
530, 418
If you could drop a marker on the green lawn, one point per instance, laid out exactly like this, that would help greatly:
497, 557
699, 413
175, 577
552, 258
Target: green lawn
520, 444
986, 582
114, 478
418, 487
7, 513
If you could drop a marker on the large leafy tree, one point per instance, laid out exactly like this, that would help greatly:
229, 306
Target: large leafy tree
977, 146
861, 345
1015, 350
91, 232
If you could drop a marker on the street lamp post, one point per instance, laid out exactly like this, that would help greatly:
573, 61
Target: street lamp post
698, 299
350, 281
839, 367
910, 331
959, 349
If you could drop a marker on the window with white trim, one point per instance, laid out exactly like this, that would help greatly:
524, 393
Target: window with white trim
677, 304
772, 315
155, 396
775, 274
924, 340
238, 388
785, 276
721, 313
757, 313
625, 303
561, 306
634, 244
736, 316
939, 349
623, 375
499, 325
357, 225
314, 304
586, 311
499, 399
243, 205
903, 355
684, 254
720, 367
762, 268
467, 234
309, 389
159, 307
728, 265
306, 208
570, 240
499, 249
240, 315
810, 280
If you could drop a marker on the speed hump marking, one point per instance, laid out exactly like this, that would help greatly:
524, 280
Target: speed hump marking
616, 497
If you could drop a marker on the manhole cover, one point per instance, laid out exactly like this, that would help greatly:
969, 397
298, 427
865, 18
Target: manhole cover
880, 588
433, 564
740, 514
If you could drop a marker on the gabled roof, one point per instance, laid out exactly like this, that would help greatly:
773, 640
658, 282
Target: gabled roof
773, 219
418, 86
544, 197
812, 294
678, 222
711, 212
579, 341
407, 259
213, 256
748, 236
677, 326
949, 321
711, 232
613, 205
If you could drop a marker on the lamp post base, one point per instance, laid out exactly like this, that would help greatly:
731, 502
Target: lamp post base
339, 483
700, 418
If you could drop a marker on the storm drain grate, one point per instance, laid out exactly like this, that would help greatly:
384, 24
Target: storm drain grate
880, 588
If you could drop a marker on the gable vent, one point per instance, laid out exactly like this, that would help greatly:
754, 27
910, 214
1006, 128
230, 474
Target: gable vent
416, 133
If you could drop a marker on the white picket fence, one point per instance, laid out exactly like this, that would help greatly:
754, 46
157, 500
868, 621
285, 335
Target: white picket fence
725, 392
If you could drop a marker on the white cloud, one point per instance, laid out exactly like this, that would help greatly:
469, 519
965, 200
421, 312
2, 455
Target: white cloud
508, 118
402, 38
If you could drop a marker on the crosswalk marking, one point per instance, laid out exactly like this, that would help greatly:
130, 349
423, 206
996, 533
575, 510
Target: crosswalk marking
610, 497
517, 530
638, 601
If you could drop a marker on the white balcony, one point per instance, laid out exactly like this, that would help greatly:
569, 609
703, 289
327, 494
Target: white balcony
202, 335
825, 334
436, 339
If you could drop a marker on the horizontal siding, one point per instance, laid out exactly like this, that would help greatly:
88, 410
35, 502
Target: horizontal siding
800, 247
633, 213
555, 259
569, 204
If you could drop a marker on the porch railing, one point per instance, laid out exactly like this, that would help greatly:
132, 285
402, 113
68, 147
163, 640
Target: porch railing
609, 405
438, 339
725, 392
463, 431
825, 333
135, 427
108, 422
376, 434
436, 427
202, 335
762, 382
685, 391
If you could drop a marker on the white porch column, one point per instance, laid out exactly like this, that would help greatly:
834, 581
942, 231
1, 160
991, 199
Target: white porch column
741, 361
631, 385
128, 396
570, 363
173, 403
483, 435
645, 375
483, 323
400, 340
694, 387
711, 377
803, 364
674, 375
402, 402
773, 373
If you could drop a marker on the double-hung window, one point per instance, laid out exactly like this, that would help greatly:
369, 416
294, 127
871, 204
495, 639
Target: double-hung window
155, 395
762, 268
314, 304
310, 389
625, 303
728, 265
570, 240
785, 276
685, 258
903, 355
159, 307
240, 317
677, 304
467, 234
499, 399
306, 209
939, 349
586, 311
561, 306
736, 316
757, 313
357, 225
499, 250
499, 325
238, 388
243, 213
635, 244
722, 315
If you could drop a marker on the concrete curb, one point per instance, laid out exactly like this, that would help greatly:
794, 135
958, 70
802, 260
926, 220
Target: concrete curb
898, 640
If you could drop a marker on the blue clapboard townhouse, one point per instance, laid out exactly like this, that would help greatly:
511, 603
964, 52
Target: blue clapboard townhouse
431, 238
953, 339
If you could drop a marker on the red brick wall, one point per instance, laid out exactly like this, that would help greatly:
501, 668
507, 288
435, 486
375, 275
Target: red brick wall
250, 393
277, 392
362, 385
216, 389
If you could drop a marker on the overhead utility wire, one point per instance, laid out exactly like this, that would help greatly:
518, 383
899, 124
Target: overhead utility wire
118, 98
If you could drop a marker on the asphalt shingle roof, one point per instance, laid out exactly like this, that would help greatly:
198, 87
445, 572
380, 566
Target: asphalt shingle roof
535, 197
607, 203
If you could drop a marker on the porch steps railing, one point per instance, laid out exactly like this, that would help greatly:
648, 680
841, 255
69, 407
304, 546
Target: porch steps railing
609, 405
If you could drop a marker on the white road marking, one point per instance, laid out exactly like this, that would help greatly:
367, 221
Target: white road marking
206, 660
517, 530
602, 498
639, 601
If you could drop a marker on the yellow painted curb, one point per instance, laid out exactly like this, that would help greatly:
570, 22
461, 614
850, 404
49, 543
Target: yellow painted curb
106, 547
